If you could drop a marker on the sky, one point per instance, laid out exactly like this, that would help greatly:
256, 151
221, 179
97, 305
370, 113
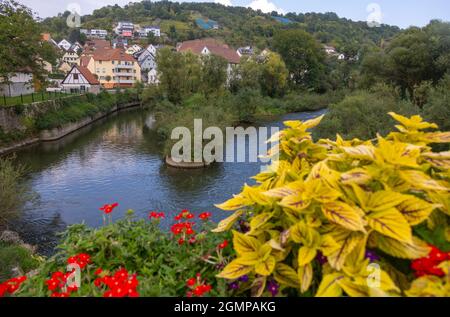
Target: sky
402, 13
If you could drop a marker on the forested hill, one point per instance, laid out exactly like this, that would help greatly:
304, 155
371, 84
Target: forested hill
238, 25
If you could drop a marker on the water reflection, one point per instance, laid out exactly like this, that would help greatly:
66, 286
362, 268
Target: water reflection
119, 159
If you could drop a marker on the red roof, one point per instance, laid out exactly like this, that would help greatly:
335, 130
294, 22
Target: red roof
86, 74
112, 55
214, 46
84, 60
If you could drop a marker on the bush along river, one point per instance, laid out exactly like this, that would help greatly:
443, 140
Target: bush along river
118, 159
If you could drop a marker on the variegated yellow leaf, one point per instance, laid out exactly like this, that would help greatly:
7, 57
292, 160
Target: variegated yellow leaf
329, 286
258, 286
249, 258
297, 202
347, 241
416, 210
237, 202
328, 245
436, 137
259, 220
265, 268
306, 255
384, 199
391, 223
228, 223
413, 123
440, 160
360, 152
305, 277
404, 250
420, 180
235, 270
356, 176
286, 275
353, 289
344, 215
245, 244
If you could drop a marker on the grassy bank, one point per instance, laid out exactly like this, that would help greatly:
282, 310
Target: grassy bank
59, 112
12, 190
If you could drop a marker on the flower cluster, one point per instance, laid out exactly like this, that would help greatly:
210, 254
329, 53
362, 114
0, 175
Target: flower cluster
197, 286
11, 285
205, 216
156, 215
82, 260
57, 284
223, 245
119, 284
184, 214
429, 264
107, 209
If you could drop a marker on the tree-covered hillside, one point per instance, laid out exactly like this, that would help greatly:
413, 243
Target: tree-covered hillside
238, 25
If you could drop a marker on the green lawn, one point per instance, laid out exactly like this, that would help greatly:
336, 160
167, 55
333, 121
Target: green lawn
35, 97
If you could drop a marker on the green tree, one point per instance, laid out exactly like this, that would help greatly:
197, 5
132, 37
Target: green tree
274, 76
21, 46
214, 73
302, 54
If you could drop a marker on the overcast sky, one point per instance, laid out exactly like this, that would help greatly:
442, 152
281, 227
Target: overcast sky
396, 12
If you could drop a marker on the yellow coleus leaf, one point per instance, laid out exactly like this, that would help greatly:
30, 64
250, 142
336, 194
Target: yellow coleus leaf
353, 289
436, 137
228, 223
297, 202
355, 176
265, 268
360, 152
441, 199
416, 210
324, 193
397, 153
256, 196
412, 250
306, 255
258, 286
249, 258
313, 122
347, 240
428, 286
305, 277
321, 171
329, 286
413, 123
440, 160
344, 215
328, 245
234, 270
391, 223
288, 190
244, 244
420, 180
286, 275
259, 220
237, 202
384, 199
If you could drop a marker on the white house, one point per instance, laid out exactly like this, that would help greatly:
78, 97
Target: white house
80, 79
65, 45
147, 62
71, 57
125, 29
19, 83
144, 31
152, 77
133, 49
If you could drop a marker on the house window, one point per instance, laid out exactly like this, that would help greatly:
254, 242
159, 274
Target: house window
75, 76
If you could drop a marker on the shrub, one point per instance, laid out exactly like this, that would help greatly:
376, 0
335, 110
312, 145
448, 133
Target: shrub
156, 262
363, 114
340, 217
15, 257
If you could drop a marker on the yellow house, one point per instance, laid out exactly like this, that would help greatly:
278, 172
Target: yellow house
114, 68
71, 57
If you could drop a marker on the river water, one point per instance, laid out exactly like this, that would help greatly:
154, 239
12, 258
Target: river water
118, 159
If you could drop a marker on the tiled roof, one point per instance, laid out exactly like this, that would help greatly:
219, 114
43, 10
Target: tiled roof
112, 55
214, 46
88, 75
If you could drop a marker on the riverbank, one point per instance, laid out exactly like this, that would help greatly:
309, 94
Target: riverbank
55, 119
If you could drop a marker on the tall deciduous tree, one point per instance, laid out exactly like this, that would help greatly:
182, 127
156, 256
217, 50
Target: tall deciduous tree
21, 46
302, 54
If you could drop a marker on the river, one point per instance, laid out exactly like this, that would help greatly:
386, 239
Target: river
118, 159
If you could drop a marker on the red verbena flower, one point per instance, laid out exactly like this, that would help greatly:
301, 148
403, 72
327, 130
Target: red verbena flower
223, 245
156, 215
119, 284
107, 209
11, 285
205, 216
197, 286
429, 264
82, 260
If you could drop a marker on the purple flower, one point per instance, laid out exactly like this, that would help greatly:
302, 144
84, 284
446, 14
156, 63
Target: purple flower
372, 256
243, 278
321, 258
244, 226
273, 287
233, 286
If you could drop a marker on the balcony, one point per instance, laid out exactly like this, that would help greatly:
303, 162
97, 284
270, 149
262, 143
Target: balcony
124, 71
125, 81
124, 66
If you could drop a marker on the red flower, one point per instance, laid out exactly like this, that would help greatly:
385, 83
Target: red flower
191, 281
429, 264
11, 285
192, 240
107, 209
205, 216
98, 271
180, 241
189, 231
223, 245
120, 284
156, 215
82, 260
